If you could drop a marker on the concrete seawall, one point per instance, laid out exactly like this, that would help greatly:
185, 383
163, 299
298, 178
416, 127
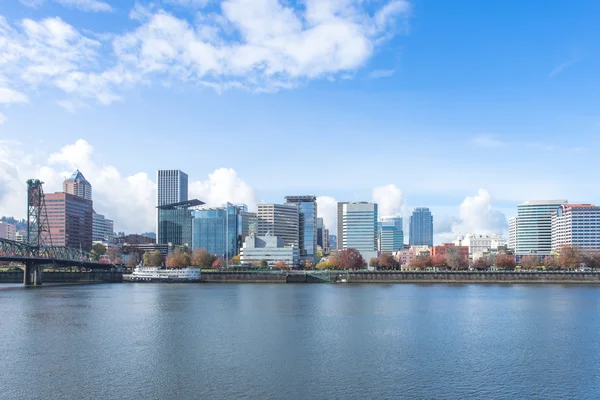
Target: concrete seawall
66, 277
406, 277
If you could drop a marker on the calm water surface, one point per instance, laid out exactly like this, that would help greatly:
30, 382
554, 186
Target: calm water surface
152, 341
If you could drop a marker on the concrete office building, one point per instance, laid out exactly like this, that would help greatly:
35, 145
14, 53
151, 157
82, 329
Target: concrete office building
360, 228
8, 231
512, 233
281, 220
421, 227
534, 226
70, 219
268, 248
77, 185
480, 244
340, 224
576, 225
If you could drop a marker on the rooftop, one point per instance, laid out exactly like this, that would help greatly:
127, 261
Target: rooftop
181, 204
77, 177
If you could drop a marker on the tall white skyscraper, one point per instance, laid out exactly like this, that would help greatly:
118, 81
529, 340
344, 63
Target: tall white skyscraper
576, 225
512, 233
360, 228
172, 188
534, 226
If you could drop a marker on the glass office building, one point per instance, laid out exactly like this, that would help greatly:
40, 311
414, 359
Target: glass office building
534, 226
307, 208
391, 235
175, 223
421, 227
360, 228
218, 230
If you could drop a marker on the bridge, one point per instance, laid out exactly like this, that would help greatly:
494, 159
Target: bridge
38, 252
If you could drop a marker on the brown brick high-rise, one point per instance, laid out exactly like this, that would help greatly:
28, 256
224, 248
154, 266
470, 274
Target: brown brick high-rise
70, 219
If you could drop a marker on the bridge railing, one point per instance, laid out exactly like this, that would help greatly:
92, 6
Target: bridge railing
11, 248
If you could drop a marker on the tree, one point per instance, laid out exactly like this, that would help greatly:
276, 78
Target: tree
482, 264
374, 262
387, 261
99, 249
591, 260
351, 259
217, 264
334, 260
178, 259
455, 260
281, 265
505, 261
152, 258
264, 264
569, 257
202, 258
420, 262
530, 262
438, 261
235, 260
325, 265
550, 262
132, 259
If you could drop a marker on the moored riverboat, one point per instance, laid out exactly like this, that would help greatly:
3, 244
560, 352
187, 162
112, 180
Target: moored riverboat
157, 274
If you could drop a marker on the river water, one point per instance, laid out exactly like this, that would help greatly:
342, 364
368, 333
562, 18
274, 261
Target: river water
228, 341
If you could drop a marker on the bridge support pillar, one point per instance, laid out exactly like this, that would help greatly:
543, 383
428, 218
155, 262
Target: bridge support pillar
33, 274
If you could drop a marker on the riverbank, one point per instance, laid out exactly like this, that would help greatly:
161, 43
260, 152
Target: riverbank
400, 277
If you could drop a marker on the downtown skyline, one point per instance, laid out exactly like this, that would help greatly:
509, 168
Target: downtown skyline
468, 131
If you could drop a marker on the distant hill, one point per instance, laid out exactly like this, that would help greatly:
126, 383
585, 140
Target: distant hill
21, 224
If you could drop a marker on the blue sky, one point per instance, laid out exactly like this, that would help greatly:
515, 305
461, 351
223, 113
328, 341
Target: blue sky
440, 99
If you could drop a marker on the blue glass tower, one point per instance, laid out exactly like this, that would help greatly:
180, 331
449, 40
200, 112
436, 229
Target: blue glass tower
218, 230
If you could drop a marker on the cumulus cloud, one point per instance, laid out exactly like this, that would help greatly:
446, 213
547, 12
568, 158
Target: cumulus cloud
476, 215
327, 209
222, 186
256, 45
128, 200
389, 199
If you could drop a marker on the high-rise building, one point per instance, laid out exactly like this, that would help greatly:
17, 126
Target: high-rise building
340, 224
333, 242
326, 247
172, 188
360, 228
102, 229
249, 224
512, 233
8, 231
281, 220
175, 223
77, 185
421, 227
391, 234
70, 219
534, 226
576, 225
307, 232
320, 227
218, 230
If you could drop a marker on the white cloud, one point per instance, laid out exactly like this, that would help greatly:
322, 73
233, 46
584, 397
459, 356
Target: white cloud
222, 186
487, 141
2, 118
327, 209
381, 73
83, 5
390, 200
128, 200
561, 67
476, 215
188, 3
8, 96
257, 45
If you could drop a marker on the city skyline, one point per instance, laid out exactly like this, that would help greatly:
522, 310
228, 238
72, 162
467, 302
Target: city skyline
468, 131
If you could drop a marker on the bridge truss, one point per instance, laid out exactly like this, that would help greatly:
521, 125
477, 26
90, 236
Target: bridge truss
9, 248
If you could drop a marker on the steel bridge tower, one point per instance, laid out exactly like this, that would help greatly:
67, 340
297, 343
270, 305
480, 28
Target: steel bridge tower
38, 228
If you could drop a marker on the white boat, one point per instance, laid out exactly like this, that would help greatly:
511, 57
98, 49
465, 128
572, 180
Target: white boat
157, 274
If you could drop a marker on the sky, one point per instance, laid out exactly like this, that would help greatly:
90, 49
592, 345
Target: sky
466, 107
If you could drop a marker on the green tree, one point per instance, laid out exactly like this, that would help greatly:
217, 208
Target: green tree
99, 249
264, 264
